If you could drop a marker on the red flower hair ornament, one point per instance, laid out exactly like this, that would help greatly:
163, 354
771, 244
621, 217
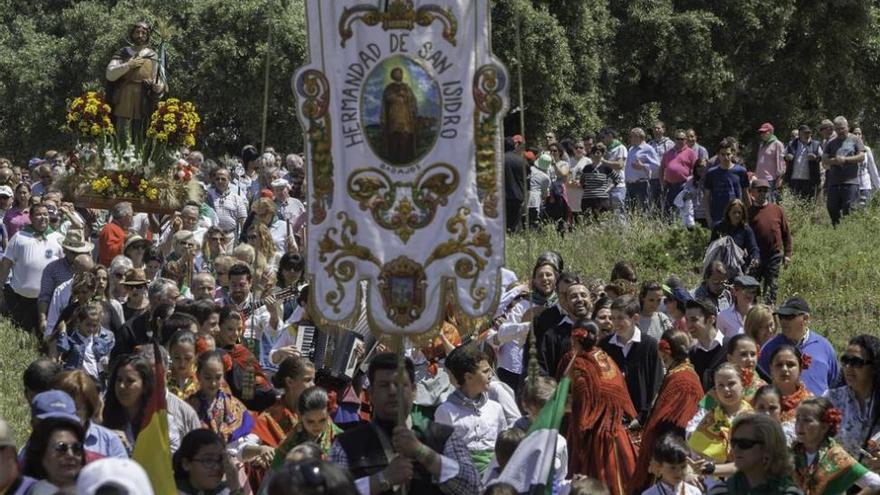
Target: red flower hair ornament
832, 417
664, 347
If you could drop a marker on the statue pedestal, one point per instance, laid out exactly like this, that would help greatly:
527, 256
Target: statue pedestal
140, 205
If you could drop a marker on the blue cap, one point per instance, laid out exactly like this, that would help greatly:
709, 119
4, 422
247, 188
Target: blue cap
54, 404
681, 295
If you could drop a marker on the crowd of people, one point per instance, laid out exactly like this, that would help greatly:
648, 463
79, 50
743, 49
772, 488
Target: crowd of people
674, 389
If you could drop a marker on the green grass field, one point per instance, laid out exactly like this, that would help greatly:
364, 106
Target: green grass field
835, 270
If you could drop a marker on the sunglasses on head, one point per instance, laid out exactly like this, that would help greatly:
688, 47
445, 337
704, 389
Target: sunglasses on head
853, 361
744, 443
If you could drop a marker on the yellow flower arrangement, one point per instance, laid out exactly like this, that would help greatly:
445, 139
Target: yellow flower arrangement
90, 116
174, 123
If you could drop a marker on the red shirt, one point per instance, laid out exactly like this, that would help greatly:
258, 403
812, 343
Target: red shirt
678, 164
110, 243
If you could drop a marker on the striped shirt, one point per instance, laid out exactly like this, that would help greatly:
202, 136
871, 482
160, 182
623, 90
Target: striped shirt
597, 181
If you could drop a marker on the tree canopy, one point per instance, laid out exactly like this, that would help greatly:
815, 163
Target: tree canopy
720, 66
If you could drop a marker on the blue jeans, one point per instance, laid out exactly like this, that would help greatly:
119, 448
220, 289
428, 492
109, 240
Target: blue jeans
672, 191
617, 196
841, 199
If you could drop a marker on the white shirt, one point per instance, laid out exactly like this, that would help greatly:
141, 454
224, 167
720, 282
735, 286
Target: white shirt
477, 429
663, 488
717, 341
29, 256
637, 337
730, 322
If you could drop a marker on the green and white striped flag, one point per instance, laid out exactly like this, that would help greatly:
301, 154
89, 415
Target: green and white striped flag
531, 467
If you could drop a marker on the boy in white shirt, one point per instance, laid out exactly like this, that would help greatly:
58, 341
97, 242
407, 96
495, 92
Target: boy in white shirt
670, 468
477, 420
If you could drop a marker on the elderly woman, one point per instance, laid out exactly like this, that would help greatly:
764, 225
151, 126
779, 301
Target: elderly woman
858, 399
55, 455
761, 456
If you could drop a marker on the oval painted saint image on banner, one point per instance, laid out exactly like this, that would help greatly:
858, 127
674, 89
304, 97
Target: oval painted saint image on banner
400, 110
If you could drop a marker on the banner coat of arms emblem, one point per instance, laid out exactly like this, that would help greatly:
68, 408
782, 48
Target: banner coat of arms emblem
401, 103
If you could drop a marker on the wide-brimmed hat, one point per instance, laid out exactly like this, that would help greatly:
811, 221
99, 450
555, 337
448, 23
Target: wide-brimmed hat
133, 239
135, 276
75, 242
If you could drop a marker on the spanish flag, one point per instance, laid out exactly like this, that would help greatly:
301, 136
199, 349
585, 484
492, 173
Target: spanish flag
152, 449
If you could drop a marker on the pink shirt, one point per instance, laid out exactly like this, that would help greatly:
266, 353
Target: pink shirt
770, 164
678, 164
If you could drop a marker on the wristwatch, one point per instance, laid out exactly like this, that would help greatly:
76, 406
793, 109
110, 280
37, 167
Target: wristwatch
708, 468
384, 484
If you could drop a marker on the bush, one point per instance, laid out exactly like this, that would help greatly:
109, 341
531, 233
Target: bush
18, 351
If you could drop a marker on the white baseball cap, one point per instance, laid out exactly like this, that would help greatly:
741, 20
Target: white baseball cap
111, 471
5, 191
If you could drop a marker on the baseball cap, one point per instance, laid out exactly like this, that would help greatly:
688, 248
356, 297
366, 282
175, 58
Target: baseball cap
746, 282
54, 404
760, 183
680, 295
793, 306
804, 128
766, 127
125, 474
5, 191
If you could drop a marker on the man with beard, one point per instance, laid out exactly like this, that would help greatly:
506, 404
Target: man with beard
770, 225
578, 306
426, 457
260, 324
134, 78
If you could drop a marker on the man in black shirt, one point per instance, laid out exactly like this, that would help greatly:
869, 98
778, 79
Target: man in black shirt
558, 340
708, 351
636, 354
515, 167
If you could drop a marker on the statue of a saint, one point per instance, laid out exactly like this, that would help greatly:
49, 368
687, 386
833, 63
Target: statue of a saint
134, 82
399, 120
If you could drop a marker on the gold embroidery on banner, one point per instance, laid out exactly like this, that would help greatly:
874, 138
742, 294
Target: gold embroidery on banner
401, 14
339, 269
467, 241
488, 81
391, 208
315, 89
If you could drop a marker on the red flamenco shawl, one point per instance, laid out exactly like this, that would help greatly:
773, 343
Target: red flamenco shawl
676, 403
599, 443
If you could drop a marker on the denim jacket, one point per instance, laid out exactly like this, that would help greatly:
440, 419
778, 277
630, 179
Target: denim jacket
72, 347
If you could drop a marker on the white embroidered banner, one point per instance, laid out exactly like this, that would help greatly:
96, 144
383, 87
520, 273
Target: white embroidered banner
401, 103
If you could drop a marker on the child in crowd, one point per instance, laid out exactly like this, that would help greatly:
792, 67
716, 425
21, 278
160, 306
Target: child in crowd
182, 380
708, 350
89, 345
636, 354
477, 420
669, 463
537, 392
768, 400
505, 446
314, 425
244, 375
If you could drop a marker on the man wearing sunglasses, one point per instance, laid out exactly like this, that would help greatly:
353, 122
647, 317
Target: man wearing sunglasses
12, 481
823, 371
382, 455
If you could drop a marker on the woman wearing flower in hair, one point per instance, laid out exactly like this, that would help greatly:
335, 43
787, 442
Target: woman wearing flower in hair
822, 467
709, 437
676, 403
742, 352
598, 440
786, 364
